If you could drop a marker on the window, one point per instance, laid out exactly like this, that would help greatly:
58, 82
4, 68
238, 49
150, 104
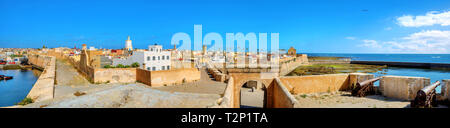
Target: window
154, 69
159, 57
148, 68
168, 57
151, 49
148, 58
163, 68
154, 58
168, 67
163, 57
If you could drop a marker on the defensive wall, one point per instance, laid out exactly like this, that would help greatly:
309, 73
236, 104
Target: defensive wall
277, 96
445, 89
43, 88
279, 91
402, 87
289, 64
128, 75
167, 77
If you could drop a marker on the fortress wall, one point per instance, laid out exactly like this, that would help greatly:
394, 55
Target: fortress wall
43, 89
445, 87
167, 77
216, 74
143, 76
323, 83
358, 77
114, 75
402, 87
289, 64
227, 101
278, 96
316, 83
177, 76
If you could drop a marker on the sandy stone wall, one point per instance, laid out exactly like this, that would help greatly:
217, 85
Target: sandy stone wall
358, 77
278, 96
402, 87
286, 66
227, 101
168, 77
114, 75
43, 89
39, 60
445, 89
143, 76
316, 83
218, 75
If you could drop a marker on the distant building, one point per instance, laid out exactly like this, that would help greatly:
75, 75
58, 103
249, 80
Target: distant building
204, 50
292, 51
128, 45
92, 48
90, 57
153, 60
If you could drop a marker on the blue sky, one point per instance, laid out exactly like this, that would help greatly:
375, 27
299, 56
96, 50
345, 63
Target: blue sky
329, 26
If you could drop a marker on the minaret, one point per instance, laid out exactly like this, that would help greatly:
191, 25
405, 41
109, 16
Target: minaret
128, 45
204, 50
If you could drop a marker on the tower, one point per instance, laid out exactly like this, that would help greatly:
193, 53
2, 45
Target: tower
204, 50
128, 45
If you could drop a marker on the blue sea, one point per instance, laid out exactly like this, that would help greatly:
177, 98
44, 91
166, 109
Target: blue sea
433, 74
15, 90
424, 58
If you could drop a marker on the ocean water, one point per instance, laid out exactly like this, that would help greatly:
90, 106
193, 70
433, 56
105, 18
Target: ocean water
433, 74
424, 58
16, 89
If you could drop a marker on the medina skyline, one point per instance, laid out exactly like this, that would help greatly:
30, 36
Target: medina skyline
312, 26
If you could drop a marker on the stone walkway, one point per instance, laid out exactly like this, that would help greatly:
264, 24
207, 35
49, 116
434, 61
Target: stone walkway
131, 96
205, 85
67, 75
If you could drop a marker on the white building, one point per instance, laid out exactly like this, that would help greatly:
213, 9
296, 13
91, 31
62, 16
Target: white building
128, 45
153, 60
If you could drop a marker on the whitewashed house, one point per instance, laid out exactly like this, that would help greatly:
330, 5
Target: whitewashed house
153, 60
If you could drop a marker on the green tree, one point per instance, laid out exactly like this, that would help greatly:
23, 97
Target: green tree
120, 66
108, 66
135, 65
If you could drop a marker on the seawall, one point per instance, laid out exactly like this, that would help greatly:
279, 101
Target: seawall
405, 64
43, 89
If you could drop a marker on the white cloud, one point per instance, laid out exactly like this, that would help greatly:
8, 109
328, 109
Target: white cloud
371, 44
350, 38
432, 41
388, 28
431, 18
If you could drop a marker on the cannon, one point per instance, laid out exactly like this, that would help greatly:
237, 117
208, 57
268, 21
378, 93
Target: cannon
426, 97
365, 88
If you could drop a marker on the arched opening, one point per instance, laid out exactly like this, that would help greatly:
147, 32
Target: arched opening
253, 94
